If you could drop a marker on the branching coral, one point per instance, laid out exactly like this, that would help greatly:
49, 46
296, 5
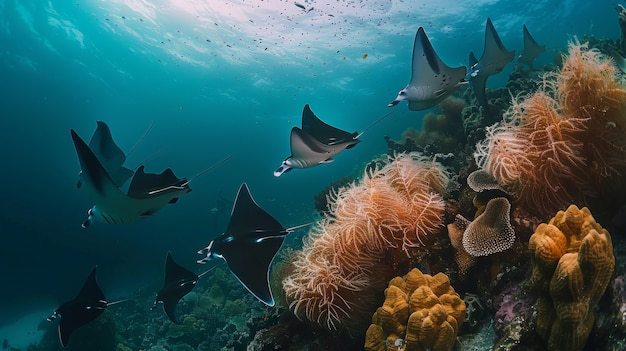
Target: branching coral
374, 227
551, 143
572, 264
420, 312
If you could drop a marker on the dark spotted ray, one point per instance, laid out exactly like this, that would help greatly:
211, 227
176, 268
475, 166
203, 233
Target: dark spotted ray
86, 307
249, 244
532, 50
494, 58
316, 143
431, 79
147, 193
109, 154
179, 281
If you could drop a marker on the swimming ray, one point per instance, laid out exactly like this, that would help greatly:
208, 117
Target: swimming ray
179, 281
88, 305
495, 57
249, 244
532, 50
316, 143
148, 192
323, 132
431, 79
110, 155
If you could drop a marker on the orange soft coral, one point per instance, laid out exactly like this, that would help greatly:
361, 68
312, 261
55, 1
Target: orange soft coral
588, 87
551, 143
374, 226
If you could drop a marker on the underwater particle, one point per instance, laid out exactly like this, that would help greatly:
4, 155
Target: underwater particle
181, 107
364, 56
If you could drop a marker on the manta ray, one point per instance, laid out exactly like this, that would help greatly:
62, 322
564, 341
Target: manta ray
110, 155
494, 58
532, 50
88, 305
316, 143
179, 281
249, 245
147, 193
431, 79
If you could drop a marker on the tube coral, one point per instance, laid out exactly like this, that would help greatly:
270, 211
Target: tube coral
374, 227
551, 143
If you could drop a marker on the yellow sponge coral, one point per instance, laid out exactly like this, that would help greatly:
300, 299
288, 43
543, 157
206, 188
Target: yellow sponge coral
572, 264
420, 312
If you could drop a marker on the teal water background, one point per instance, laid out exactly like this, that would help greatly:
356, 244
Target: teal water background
216, 78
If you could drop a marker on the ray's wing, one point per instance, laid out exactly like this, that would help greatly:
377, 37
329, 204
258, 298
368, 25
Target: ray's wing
250, 262
102, 186
115, 206
247, 216
87, 306
179, 281
110, 155
305, 147
250, 243
144, 185
532, 50
431, 79
323, 132
427, 68
494, 58
495, 55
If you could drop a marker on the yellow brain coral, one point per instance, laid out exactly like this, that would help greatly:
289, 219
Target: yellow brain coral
572, 264
420, 312
374, 226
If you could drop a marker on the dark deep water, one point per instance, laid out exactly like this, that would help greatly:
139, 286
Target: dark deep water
227, 78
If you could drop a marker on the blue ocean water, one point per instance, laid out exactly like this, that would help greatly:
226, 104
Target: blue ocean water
216, 78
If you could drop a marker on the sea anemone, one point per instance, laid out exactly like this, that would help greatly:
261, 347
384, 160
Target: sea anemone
551, 143
374, 227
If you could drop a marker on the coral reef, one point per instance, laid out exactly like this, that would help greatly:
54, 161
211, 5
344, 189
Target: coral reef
441, 131
552, 143
420, 312
573, 261
376, 227
463, 259
321, 198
